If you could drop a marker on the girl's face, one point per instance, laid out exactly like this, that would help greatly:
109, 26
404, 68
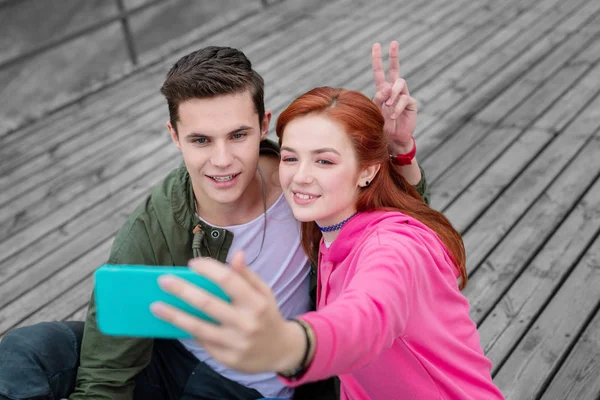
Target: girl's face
319, 170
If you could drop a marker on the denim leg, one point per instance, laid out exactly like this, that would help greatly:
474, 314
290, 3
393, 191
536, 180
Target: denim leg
40, 361
206, 384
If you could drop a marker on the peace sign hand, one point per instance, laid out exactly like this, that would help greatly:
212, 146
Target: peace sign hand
399, 109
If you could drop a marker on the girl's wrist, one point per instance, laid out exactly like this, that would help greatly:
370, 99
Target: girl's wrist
298, 348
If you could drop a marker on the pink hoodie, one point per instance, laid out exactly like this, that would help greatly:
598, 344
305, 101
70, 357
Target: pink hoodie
391, 322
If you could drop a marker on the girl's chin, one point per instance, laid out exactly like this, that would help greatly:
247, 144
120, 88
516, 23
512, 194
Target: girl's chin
303, 216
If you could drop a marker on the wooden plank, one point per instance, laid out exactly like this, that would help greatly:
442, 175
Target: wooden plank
54, 287
27, 147
79, 315
548, 69
338, 65
29, 24
480, 194
69, 209
461, 103
528, 49
465, 159
441, 32
518, 309
302, 67
542, 350
459, 145
149, 29
527, 25
575, 99
65, 306
34, 81
501, 216
19, 277
66, 190
60, 231
552, 90
486, 29
578, 376
45, 175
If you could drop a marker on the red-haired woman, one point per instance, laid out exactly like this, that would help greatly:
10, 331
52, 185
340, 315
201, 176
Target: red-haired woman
391, 321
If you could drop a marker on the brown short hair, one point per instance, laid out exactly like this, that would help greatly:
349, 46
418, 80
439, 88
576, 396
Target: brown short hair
209, 72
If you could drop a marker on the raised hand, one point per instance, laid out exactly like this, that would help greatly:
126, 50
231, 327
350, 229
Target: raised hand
399, 109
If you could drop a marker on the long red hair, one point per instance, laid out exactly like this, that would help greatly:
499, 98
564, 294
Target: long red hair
363, 123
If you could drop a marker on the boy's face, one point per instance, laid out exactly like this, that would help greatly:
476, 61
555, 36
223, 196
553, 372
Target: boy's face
219, 138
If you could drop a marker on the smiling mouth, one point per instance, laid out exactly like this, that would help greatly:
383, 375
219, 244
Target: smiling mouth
225, 178
304, 196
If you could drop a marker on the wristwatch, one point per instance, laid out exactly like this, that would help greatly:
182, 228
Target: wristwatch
407, 158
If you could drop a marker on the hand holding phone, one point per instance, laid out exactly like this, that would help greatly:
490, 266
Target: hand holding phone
124, 293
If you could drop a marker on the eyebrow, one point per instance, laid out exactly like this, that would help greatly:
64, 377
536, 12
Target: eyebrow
317, 151
241, 129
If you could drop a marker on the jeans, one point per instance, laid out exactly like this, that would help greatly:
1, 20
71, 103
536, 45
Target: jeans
40, 362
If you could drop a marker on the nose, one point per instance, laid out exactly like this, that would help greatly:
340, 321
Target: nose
221, 156
303, 175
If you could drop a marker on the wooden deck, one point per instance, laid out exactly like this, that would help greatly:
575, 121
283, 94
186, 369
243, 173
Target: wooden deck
508, 134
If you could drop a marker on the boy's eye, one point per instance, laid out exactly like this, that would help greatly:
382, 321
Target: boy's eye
238, 135
201, 140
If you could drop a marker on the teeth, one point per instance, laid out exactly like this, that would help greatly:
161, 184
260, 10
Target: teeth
304, 196
222, 178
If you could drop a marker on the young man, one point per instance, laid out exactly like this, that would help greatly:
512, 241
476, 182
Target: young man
226, 197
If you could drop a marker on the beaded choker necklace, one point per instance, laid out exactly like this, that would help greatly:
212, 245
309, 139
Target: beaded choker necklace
336, 227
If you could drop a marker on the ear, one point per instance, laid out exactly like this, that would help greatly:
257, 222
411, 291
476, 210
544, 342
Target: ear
174, 135
264, 129
367, 175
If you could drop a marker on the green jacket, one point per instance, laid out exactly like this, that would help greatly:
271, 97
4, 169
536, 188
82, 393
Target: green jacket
158, 232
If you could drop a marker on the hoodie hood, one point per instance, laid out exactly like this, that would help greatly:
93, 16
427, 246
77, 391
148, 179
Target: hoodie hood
365, 224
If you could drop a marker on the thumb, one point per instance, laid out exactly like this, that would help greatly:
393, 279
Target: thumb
237, 262
239, 266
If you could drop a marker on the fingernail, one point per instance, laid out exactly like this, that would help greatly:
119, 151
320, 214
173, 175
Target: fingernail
158, 309
388, 102
166, 281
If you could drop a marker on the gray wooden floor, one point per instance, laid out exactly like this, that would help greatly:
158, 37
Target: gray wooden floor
509, 136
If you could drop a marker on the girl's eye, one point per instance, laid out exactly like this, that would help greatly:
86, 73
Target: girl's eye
289, 159
324, 162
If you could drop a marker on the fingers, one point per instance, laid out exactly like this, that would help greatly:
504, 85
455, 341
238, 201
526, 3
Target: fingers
234, 284
377, 64
382, 95
198, 298
239, 266
394, 62
194, 326
399, 87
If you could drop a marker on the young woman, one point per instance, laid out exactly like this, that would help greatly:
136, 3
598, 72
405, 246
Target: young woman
390, 321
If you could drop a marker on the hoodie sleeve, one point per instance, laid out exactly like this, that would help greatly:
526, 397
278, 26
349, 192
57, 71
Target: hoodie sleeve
371, 312
109, 364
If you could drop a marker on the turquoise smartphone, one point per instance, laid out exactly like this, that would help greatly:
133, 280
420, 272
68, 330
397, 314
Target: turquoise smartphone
124, 293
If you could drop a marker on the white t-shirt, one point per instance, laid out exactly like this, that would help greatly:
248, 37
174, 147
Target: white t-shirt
284, 266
